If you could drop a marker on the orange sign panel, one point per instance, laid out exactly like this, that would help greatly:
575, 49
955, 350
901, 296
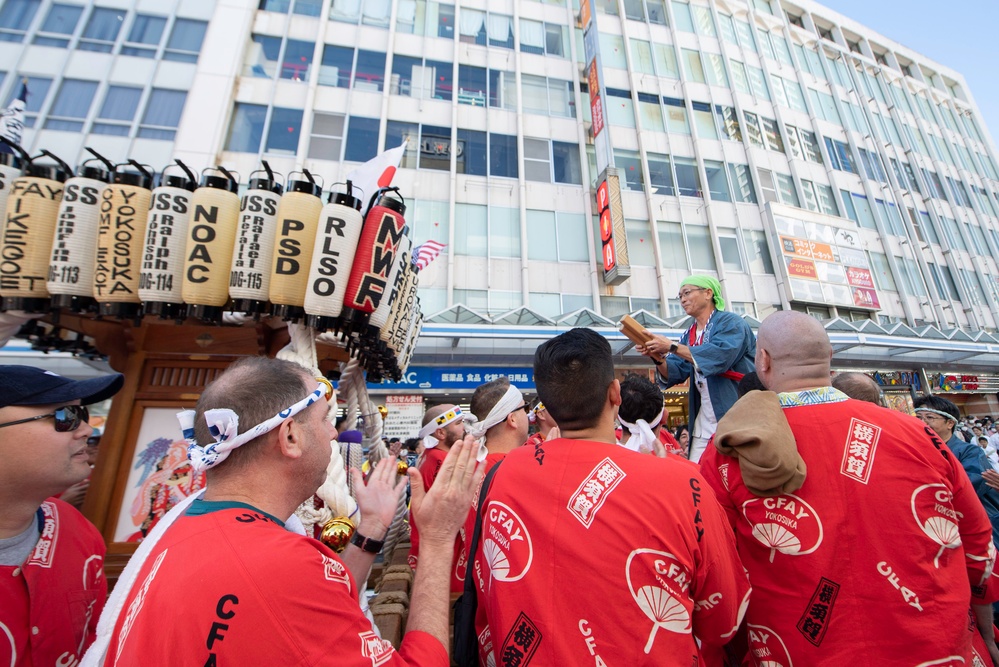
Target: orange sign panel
806, 248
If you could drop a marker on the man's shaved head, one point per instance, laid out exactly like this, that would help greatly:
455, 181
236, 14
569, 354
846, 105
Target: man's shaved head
792, 352
859, 386
435, 412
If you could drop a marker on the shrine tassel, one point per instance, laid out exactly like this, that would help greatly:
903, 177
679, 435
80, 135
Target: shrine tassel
210, 238
121, 239
26, 241
250, 273
377, 249
340, 224
74, 243
297, 223
166, 235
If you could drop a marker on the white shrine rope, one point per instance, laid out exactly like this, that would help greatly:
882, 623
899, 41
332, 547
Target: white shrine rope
642, 438
509, 402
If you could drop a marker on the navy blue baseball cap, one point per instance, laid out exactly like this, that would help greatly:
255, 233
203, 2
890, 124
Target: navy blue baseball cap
27, 385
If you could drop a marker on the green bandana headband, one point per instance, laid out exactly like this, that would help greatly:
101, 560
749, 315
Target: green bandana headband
707, 282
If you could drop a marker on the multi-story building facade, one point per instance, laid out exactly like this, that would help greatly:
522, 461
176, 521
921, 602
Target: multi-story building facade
805, 160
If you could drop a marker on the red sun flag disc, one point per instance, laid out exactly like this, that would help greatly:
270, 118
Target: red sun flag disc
385, 179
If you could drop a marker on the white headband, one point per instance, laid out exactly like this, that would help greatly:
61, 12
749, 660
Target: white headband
223, 425
444, 419
642, 438
509, 402
938, 412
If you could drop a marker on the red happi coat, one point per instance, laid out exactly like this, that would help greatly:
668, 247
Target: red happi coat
591, 554
233, 587
875, 559
433, 459
50, 604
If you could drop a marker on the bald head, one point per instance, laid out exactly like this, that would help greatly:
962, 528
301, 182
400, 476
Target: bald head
792, 352
435, 412
859, 386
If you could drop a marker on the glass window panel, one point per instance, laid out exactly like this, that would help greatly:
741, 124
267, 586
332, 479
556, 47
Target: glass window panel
247, 128
547, 304
641, 56
692, 67
865, 214
758, 82
470, 231
657, 11
651, 116
788, 194
71, 105
716, 70
704, 121
504, 232
145, 29
768, 185
262, 57
702, 258
727, 28
185, 40
556, 38
640, 249
15, 18
612, 51
395, 133
660, 174
534, 91
745, 35
542, 243
473, 85
362, 139
532, 36
682, 17
120, 103
561, 98
338, 61
163, 111
327, 137
665, 61
572, 245
370, 72
308, 7
742, 182
435, 147
473, 157
297, 60
808, 192
630, 168
676, 116
881, 271
731, 257
729, 122
688, 182
753, 130
810, 146
827, 201
620, 109
717, 181
62, 20
671, 243
771, 132
705, 25
566, 163
284, 131
739, 76
758, 252
502, 155
537, 166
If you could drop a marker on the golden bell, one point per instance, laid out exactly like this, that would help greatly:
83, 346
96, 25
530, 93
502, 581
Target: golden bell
383, 411
337, 532
402, 467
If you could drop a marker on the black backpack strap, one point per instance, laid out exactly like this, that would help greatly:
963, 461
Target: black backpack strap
465, 651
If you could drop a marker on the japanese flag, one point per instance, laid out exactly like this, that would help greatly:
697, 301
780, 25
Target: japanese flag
377, 172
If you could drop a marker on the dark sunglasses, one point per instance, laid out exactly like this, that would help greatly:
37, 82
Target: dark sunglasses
67, 418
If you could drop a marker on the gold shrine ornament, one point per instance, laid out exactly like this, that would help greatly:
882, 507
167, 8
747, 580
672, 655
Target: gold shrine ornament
337, 532
402, 467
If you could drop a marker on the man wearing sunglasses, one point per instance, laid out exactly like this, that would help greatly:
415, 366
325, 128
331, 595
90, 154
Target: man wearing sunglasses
52, 585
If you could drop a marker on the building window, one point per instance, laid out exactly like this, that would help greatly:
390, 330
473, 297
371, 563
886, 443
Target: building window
118, 111
629, 166
704, 121
362, 139
753, 129
476, 85
702, 257
429, 219
671, 244
742, 183
768, 186
788, 193
262, 57
688, 181
350, 11
717, 181
692, 66
682, 16
15, 19
297, 60
59, 25
71, 105
326, 140
547, 96
731, 256
414, 77
556, 236
336, 66
428, 147
144, 37
246, 128
429, 19
676, 116
543, 38
728, 120
771, 132
185, 41
503, 155
660, 174
492, 231
163, 112
641, 252
102, 30
370, 71
620, 109
486, 30
758, 252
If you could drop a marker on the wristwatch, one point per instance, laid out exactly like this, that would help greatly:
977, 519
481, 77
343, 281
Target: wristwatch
366, 543
673, 348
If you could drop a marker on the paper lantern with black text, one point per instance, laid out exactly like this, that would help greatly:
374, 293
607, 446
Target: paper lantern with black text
340, 225
297, 223
250, 273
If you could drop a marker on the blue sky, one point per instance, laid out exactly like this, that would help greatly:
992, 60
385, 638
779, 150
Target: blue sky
959, 34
